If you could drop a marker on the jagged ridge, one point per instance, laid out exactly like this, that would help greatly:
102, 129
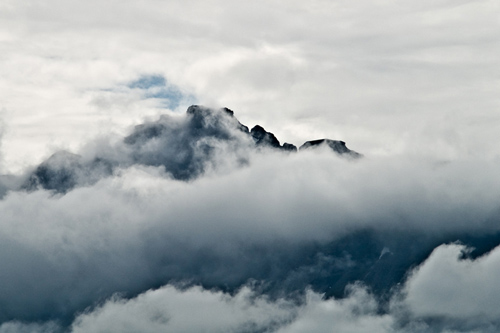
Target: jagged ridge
182, 146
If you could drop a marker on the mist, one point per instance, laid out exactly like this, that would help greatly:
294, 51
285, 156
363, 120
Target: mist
301, 234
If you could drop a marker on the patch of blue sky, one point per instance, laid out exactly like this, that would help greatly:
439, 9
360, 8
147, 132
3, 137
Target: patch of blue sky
157, 87
148, 81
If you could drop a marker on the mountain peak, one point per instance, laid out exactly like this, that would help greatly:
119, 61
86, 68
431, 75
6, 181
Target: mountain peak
337, 146
184, 148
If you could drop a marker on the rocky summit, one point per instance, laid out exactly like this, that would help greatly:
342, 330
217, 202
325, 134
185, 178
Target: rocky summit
337, 146
184, 146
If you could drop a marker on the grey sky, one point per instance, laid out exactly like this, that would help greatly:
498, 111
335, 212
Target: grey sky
388, 77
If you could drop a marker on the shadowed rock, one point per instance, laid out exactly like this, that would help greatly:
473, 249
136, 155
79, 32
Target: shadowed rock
64, 170
289, 147
267, 139
57, 173
200, 115
264, 138
337, 146
184, 147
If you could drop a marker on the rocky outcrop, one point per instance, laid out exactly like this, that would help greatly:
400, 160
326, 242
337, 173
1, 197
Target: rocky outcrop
264, 138
58, 173
338, 147
64, 170
184, 147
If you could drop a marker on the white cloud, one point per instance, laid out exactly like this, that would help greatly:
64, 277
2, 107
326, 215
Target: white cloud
356, 313
195, 310
192, 310
463, 289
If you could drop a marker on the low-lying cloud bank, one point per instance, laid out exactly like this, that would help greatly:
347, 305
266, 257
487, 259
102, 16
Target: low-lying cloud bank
444, 294
257, 239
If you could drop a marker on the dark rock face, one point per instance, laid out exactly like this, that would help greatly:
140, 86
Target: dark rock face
337, 146
58, 173
64, 170
184, 147
289, 147
200, 114
264, 138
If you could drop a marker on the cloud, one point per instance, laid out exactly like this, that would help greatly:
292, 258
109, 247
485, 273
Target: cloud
451, 287
410, 85
284, 223
192, 310
18, 327
356, 313
445, 294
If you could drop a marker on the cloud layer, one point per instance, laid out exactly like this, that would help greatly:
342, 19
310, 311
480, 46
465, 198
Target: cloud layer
444, 294
293, 232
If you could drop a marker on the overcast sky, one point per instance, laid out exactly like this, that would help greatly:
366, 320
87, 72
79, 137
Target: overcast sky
387, 77
182, 224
